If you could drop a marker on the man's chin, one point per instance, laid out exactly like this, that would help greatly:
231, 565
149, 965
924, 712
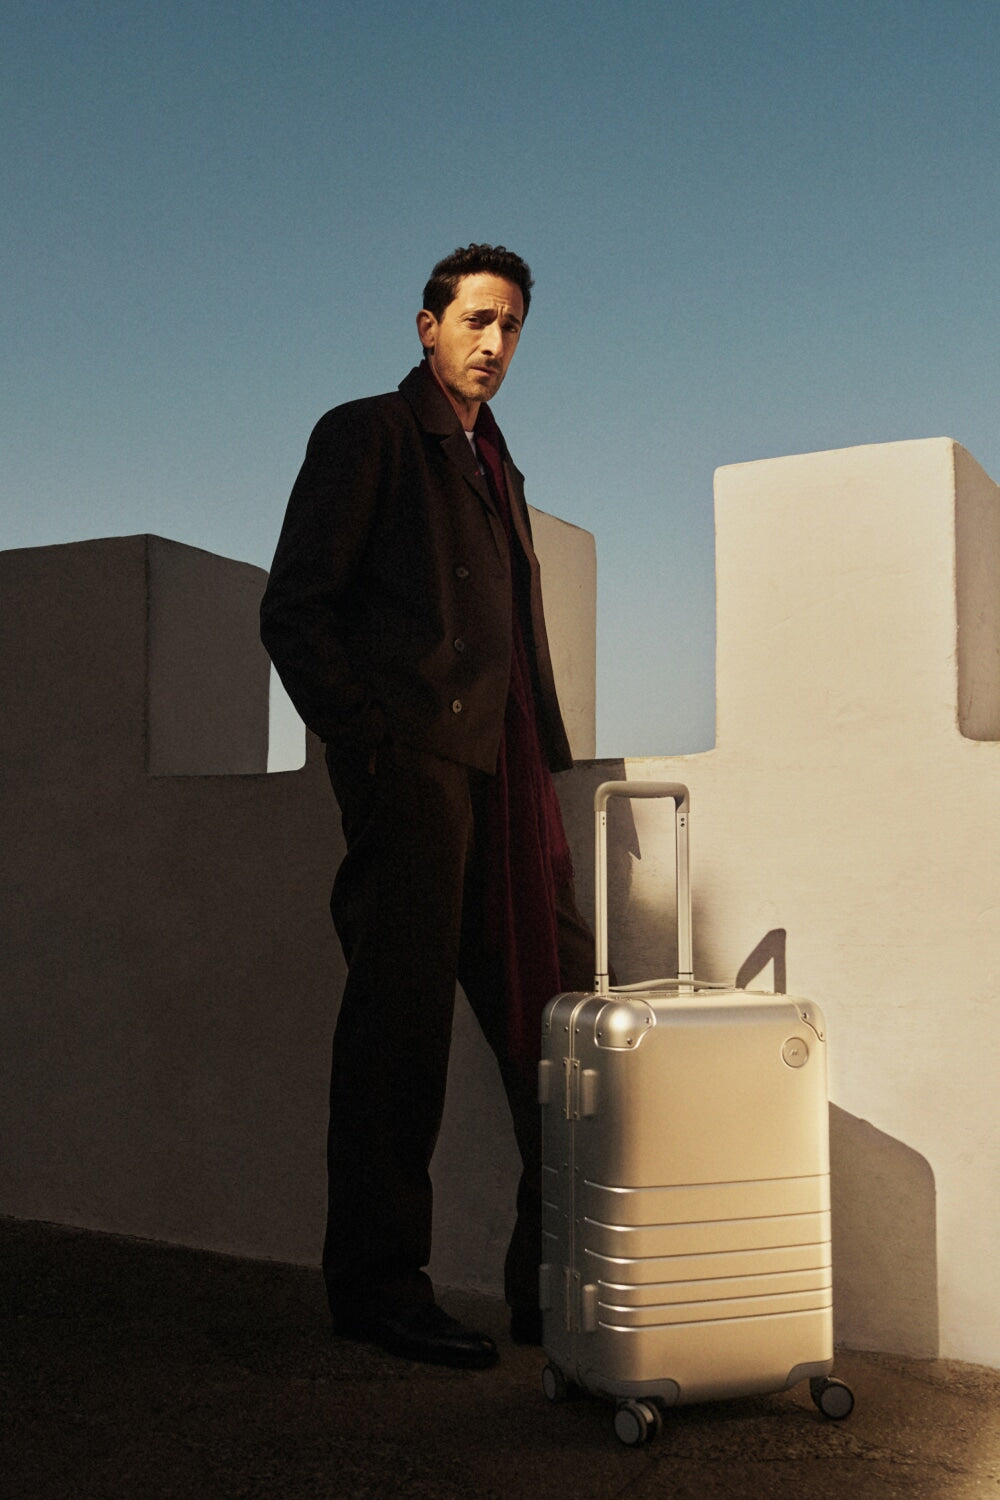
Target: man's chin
472, 390
484, 388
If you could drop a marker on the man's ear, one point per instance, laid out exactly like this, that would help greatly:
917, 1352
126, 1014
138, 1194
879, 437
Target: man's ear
426, 328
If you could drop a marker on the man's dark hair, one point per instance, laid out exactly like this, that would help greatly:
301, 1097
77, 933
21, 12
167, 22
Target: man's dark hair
496, 260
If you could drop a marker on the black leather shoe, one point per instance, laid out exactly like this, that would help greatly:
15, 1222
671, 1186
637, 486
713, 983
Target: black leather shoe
421, 1331
526, 1325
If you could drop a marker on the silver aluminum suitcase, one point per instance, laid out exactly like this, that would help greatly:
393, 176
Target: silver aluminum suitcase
686, 1183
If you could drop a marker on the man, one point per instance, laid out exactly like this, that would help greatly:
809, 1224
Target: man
404, 615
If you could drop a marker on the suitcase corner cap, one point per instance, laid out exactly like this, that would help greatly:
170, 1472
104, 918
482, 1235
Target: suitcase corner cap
813, 1017
621, 1024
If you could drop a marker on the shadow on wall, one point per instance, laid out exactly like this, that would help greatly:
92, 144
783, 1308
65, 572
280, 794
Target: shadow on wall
770, 950
884, 1219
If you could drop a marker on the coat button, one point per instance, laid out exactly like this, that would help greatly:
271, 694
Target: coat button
461, 572
459, 644
456, 707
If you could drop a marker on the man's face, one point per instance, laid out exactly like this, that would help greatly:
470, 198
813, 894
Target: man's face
473, 342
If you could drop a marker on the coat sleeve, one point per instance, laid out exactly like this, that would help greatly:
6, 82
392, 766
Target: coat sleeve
306, 609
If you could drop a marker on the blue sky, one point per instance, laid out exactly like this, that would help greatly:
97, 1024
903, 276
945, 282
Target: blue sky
757, 227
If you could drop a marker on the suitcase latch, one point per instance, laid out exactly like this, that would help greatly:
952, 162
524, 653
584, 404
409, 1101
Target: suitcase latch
581, 1090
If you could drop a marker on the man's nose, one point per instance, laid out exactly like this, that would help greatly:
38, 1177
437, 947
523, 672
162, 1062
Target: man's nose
492, 340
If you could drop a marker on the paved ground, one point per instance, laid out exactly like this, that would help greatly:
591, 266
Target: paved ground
139, 1370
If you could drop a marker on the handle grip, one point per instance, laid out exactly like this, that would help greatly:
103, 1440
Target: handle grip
682, 806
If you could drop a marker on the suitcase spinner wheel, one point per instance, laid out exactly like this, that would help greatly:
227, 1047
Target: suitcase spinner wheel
637, 1422
554, 1384
833, 1398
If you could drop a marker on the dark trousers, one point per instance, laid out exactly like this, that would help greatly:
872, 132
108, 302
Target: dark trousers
408, 908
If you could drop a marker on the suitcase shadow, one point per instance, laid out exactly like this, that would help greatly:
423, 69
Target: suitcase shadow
884, 1206
884, 1280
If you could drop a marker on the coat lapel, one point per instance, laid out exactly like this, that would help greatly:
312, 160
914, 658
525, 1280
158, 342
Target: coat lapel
435, 415
458, 448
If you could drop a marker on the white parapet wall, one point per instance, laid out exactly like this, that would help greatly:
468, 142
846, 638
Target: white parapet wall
846, 844
169, 975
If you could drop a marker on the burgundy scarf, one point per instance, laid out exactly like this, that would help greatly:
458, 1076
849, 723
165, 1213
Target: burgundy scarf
528, 857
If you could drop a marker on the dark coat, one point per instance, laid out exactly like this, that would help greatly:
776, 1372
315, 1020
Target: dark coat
388, 607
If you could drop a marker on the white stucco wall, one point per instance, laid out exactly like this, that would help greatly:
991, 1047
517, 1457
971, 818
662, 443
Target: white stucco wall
567, 556
169, 972
845, 813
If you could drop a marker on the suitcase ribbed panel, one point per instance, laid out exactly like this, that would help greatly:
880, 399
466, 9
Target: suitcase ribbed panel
649, 1241
699, 1203
664, 1264
730, 1264
665, 1315
710, 1291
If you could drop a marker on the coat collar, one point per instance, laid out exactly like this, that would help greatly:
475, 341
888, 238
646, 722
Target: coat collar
437, 416
431, 406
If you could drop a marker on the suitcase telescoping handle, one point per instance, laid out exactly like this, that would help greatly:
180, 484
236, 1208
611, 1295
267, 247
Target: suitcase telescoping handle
682, 805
